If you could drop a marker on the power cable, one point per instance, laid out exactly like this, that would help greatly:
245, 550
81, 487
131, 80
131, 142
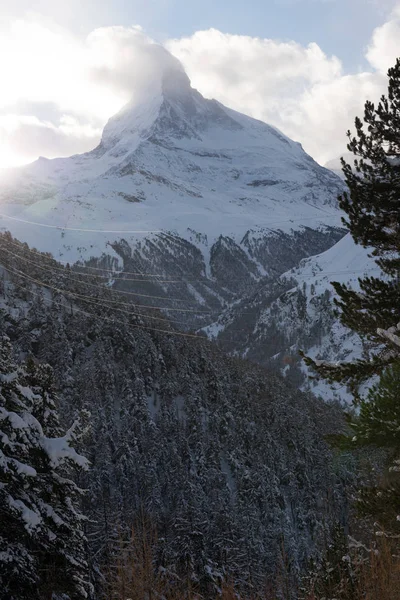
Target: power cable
64, 272
141, 231
86, 298
60, 227
303, 278
155, 280
129, 325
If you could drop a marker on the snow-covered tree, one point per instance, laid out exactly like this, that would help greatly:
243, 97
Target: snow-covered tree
42, 542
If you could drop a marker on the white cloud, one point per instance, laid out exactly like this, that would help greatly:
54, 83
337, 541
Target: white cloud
26, 135
299, 89
385, 43
125, 60
58, 90
267, 79
251, 68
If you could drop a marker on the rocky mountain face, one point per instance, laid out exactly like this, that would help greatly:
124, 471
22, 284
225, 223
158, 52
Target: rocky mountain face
226, 460
295, 313
199, 202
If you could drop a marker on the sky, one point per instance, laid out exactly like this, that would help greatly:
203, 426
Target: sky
305, 66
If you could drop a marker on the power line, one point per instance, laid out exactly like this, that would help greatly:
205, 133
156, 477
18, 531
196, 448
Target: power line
205, 280
123, 273
146, 306
62, 290
174, 332
155, 231
154, 280
86, 298
96, 303
181, 334
61, 227
188, 310
303, 278
114, 321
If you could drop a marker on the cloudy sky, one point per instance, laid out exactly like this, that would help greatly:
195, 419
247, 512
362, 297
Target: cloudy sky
305, 66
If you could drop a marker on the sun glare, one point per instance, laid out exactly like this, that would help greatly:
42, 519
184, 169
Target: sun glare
9, 159
52, 103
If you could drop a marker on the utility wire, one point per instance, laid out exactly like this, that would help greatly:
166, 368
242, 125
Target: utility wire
88, 299
322, 275
181, 334
70, 279
61, 227
156, 231
114, 321
287, 275
174, 332
154, 280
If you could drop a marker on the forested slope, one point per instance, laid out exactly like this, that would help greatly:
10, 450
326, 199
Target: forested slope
226, 459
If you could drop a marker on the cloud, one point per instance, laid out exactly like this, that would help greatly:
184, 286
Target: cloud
385, 44
58, 90
126, 61
265, 78
299, 89
26, 134
249, 65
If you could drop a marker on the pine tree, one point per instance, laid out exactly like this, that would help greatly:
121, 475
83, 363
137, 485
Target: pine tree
378, 426
42, 543
372, 205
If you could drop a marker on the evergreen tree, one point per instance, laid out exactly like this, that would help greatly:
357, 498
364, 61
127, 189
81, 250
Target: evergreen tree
372, 205
378, 426
41, 529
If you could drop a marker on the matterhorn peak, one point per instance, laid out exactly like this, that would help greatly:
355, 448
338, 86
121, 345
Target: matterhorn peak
173, 160
167, 107
175, 82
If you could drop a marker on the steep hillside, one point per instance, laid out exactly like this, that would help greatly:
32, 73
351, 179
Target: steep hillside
297, 313
226, 459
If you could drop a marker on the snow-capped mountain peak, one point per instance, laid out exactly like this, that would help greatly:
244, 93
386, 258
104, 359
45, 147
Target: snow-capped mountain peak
235, 199
169, 109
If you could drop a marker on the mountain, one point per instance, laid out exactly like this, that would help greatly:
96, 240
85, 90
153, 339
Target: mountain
335, 164
225, 460
201, 200
297, 313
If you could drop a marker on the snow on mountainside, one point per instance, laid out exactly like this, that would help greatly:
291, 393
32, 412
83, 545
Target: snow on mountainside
177, 163
345, 262
298, 313
335, 164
